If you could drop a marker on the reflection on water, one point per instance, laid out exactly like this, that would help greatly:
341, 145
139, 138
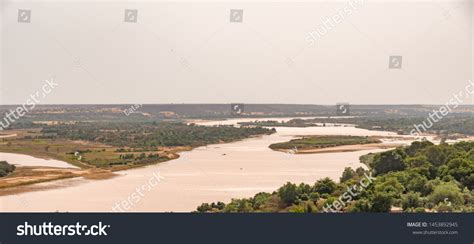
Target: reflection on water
206, 174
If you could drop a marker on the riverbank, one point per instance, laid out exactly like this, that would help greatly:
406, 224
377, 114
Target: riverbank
27, 175
217, 172
63, 158
36, 166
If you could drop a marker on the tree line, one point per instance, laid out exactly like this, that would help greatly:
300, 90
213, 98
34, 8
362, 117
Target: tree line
422, 177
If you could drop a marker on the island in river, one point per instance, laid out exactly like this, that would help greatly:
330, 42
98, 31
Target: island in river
210, 172
328, 143
219, 172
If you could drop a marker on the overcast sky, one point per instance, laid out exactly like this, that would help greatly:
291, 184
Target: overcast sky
190, 52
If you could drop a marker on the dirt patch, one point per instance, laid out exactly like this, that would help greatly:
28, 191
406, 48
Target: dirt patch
23, 176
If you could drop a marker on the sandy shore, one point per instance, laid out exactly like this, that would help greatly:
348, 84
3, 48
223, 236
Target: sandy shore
27, 175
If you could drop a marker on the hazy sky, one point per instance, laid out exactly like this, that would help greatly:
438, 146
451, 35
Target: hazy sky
190, 52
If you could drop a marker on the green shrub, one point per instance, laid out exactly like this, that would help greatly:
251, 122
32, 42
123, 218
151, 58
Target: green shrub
6, 168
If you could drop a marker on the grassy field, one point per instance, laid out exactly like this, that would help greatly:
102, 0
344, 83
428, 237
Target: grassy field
95, 160
56, 149
316, 142
118, 146
91, 154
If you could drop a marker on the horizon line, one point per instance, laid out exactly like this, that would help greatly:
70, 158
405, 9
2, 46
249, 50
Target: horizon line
301, 104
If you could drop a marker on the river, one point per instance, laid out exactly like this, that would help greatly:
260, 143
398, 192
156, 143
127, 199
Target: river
206, 174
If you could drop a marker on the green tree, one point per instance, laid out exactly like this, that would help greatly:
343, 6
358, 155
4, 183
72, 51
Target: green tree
390, 185
416, 182
348, 174
360, 171
362, 205
205, 207
288, 193
325, 185
239, 206
411, 200
382, 202
389, 161
462, 170
435, 155
6, 168
417, 146
446, 192
260, 199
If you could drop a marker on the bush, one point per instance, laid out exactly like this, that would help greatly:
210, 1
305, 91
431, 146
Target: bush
435, 155
239, 206
348, 174
325, 185
382, 202
288, 193
6, 168
389, 161
411, 200
446, 192
205, 207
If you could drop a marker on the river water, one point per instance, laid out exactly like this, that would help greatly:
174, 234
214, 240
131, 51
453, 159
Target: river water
25, 160
212, 173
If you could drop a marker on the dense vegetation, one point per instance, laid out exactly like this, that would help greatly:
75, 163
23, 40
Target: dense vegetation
6, 168
120, 144
418, 178
458, 123
160, 112
151, 135
314, 142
